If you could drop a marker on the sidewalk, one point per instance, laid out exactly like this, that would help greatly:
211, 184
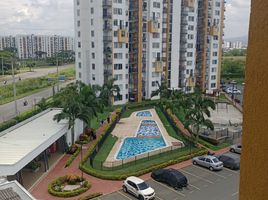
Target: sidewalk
40, 190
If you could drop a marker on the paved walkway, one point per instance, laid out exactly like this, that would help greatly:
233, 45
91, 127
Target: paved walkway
40, 192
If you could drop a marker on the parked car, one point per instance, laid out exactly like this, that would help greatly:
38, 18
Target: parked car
236, 148
230, 161
210, 162
138, 188
231, 90
172, 177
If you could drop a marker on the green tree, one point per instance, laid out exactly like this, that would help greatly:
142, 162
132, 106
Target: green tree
108, 91
196, 114
42, 104
163, 92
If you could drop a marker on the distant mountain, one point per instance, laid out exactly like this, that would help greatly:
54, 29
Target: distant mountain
243, 39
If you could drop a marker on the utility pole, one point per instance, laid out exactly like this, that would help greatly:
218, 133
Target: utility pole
58, 88
14, 88
3, 73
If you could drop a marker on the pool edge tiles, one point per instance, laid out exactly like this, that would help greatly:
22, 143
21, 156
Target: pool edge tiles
144, 113
152, 142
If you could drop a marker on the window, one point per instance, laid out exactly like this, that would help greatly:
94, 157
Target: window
118, 55
156, 45
191, 27
189, 63
214, 62
118, 77
115, 22
78, 23
92, 10
93, 55
79, 44
156, 4
215, 46
217, 12
190, 36
80, 75
213, 85
191, 18
189, 54
92, 22
93, 66
118, 98
213, 69
215, 53
92, 33
79, 65
118, 11
118, 66
93, 77
92, 45
78, 2
78, 12
79, 34
213, 77
218, 4
190, 45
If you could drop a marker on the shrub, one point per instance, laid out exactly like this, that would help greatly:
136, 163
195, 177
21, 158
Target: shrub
72, 179
55, 187
91, 196
73, 149
83, 137
71, 159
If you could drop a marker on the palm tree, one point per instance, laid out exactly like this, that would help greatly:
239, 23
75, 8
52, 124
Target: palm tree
162, 90
196, 114
108, 91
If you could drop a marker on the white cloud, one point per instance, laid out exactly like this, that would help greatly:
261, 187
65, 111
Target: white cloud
237, 18
56, 17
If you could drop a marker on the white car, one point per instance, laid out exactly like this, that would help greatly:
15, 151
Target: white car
236, 148
138, 188
210, 162
231, 90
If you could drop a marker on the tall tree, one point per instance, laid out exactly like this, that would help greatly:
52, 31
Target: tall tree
197, 114
108, 91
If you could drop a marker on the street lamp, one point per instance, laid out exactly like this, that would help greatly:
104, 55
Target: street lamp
14, 87
233, 82
81, 150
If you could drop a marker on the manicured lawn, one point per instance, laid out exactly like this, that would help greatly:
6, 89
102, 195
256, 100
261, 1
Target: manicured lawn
105, 149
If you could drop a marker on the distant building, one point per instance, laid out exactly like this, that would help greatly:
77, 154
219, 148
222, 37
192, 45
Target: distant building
234, 45
34, 46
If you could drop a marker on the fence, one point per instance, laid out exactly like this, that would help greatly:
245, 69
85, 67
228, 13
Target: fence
164, 154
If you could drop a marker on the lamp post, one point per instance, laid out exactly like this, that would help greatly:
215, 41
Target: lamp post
81, 150
14, 88
233, 82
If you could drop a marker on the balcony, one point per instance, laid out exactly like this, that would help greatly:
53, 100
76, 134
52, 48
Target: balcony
153, 26
108, 61
158, 65
107, 3
214, 31
123, 36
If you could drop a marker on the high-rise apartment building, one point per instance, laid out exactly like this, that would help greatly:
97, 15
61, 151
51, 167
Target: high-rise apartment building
141, 42
209, 44
28, 46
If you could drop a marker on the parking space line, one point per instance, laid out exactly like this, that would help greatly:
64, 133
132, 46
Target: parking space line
157, 197
169, 188
206, 170
236, 193
225, 168
194, 187
123, 195
197, 176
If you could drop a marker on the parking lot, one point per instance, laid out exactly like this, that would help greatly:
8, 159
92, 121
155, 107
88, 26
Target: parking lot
203, 185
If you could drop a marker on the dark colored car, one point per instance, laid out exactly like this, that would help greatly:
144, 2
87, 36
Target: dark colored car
172, 177
230, 161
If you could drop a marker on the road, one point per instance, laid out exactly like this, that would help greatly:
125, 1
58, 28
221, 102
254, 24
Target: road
237, 96
39, 72
7, 111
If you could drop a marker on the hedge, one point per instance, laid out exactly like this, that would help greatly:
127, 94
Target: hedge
91, 196
72, 157
73, 193
99, 174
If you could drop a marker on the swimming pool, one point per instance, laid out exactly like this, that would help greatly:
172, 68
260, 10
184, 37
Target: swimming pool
148, 128
144, 114
135, 146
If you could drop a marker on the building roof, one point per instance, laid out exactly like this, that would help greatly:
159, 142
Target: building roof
20, 144
14, 191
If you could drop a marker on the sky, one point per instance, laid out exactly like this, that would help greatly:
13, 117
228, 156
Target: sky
56, 17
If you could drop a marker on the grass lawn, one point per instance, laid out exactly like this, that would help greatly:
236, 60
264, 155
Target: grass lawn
105, 149
213, 147
30, 86
128, 112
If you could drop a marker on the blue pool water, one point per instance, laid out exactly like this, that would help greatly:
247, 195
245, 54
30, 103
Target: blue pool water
134, 146
144, 114
148, 128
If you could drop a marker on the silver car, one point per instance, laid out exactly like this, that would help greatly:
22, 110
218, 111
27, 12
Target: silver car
210, 162
236, 148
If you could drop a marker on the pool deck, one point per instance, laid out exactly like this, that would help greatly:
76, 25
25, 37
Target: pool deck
128, 127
